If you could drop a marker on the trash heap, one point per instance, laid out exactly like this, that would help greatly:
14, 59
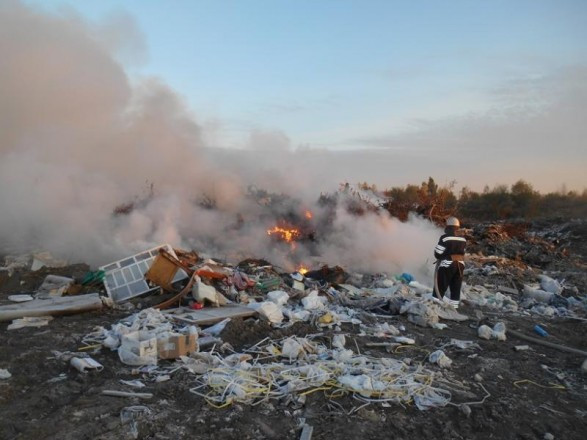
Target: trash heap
291, 367
179, 303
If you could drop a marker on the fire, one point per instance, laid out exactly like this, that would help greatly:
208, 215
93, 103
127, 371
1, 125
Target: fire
309, 215
303, 269
287, 234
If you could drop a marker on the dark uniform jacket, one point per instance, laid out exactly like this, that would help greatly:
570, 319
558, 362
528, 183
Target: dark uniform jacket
450, 248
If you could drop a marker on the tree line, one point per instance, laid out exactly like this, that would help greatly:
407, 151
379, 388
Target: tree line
502, 202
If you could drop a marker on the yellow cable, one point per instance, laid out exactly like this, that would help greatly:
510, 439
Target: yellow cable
89, 347
224, 405
315, 389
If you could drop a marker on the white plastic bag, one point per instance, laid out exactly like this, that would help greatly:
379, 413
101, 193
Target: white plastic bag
313, 301
279, 297
291, 349
550, 285
268, 310
499, 331
440, 358
338, 341
203, 292
216, 329
484, 332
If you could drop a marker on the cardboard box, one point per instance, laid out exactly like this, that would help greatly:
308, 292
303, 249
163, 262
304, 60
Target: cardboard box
174, 345
162, 272
141, 343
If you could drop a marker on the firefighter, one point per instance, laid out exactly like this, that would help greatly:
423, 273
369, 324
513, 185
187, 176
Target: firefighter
450, 263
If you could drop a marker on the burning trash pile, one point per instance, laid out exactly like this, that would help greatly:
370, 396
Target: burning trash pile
371, 339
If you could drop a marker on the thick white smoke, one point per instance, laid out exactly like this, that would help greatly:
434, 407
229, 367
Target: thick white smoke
78, 137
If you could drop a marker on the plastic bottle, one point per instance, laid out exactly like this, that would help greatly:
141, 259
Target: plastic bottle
540, 331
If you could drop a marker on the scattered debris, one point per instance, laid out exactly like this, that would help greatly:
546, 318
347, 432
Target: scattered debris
539, 330
115, 393
177, 326
131, 415
440, 358
37, 321
133, 383
54, 286
86, 364
307, 431
125, 279
5, 374
498, 332
20, 298
45, 259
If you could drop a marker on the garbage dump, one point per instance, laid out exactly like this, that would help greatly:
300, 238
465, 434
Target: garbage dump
166, 329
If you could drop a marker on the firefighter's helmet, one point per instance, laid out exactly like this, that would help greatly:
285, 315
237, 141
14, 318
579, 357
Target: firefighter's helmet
453, 221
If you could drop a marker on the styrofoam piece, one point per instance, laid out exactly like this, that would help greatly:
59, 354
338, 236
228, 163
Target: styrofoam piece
20, 298
84, 365
125, 279
29, 321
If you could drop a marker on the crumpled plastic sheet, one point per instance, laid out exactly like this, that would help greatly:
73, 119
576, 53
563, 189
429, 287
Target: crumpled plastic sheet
481, 296
440, 358
269, 311
498, 332
307, 367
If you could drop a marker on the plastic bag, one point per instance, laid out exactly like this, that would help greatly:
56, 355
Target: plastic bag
85, 364
438, 357
499, 331
268, 310
217, 328
484, 332
313, 301
279, 297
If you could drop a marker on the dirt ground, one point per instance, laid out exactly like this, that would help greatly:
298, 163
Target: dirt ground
47, 399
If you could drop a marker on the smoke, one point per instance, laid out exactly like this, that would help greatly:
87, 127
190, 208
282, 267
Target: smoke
78, 138
381, 243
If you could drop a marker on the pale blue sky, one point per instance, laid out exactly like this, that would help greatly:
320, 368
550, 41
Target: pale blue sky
329, 73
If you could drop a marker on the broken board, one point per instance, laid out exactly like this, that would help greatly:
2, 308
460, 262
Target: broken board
210, 315
65, 305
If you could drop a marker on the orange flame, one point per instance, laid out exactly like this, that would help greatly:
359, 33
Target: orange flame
309, 215
303, 269
287, 235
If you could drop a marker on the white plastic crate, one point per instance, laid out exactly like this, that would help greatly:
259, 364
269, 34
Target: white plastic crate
125, 279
